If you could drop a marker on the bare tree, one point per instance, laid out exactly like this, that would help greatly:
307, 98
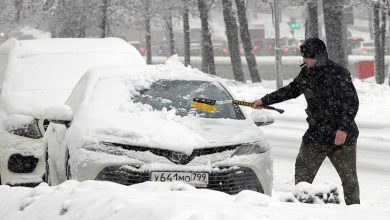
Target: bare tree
246, 41
103, 25
379, 70
380, 79
186, 32
169, 26
148, 35
335, 31
19, 7
208, 64
311, 19
389, 49
232, 36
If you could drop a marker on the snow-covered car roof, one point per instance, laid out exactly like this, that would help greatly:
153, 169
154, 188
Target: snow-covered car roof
139, 75
105, 110
35, 74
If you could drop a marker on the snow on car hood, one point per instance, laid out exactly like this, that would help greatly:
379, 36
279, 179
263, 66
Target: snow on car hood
165, 130
107, 113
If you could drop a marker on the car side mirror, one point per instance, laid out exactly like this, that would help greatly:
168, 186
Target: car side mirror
59, 114
262, 118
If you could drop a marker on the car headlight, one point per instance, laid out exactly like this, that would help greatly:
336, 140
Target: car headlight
252, 148
23, 125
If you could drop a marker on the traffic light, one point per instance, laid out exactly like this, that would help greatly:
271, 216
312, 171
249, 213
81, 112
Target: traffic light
293, 23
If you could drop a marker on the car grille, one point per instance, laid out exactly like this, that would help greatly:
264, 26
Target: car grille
174, 156
228, 179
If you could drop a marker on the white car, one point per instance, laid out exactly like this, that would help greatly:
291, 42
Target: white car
35, 74
135, 124
365, 48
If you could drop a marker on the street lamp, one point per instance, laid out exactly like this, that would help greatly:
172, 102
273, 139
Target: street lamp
2, 34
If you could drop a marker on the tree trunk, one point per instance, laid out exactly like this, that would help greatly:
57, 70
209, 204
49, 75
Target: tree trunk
278, 54
380, 78
208, 64
148, 35
103, 25
383, 45
171, 36
312, 19
335, 31
19, 7
232, 36
186, 30
246, 41
377, 40
82, 33
389, 51
370, 25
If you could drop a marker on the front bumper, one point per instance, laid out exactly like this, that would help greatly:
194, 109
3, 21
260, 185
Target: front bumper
227, 174
230, 180
21, 160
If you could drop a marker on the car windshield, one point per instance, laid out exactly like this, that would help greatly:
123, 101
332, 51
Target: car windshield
178, 94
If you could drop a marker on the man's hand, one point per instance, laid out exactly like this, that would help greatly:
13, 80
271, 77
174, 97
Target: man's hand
340, 137
257, 104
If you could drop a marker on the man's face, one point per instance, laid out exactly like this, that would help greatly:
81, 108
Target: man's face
310, 62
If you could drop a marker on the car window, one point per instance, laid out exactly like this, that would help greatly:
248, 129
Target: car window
178, 94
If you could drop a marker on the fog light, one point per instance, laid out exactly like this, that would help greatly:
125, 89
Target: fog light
18, 163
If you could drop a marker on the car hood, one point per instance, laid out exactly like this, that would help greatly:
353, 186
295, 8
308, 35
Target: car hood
165, 131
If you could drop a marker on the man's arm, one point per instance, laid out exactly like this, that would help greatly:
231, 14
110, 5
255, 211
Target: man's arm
292, 90
347, 103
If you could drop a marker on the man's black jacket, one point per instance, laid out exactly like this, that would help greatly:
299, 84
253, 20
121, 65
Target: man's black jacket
332, 102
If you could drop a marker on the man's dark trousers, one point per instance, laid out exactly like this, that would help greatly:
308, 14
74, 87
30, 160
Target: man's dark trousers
312, 155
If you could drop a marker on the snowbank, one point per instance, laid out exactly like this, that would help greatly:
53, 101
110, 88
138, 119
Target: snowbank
160, 201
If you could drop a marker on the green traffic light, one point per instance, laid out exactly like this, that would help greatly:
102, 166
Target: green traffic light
295, 25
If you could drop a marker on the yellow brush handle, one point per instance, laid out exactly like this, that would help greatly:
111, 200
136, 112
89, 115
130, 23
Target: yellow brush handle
238, 102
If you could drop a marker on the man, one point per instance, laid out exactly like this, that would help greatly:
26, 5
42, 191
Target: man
332, 104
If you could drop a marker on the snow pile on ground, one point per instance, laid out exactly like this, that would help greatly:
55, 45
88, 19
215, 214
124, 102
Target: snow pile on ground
318, 194
160, 201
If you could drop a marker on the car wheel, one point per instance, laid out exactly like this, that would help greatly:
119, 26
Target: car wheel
67, 171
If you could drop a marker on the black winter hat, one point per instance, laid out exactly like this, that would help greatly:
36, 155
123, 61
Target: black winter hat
314, 48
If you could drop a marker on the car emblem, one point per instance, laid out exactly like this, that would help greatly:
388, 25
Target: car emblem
179, 158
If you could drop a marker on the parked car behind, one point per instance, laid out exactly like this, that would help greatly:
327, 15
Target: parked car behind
135, 124
35, 74
139, 46
364, 48
352, 43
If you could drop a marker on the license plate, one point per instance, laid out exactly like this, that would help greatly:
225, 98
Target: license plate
192, 178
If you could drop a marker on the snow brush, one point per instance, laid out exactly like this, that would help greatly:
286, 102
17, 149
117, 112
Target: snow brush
209, 104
